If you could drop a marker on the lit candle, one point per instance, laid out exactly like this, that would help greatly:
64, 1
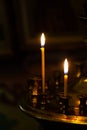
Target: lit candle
43, 61
65, 77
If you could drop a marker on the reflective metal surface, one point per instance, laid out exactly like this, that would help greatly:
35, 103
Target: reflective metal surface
53, 116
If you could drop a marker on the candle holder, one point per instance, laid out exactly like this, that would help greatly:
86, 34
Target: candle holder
34, 101
82, 105
53, 98
34, 88
42, 101
63, 104
37, 98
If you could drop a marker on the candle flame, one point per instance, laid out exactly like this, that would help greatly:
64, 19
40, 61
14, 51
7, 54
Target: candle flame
42, 39
65, 66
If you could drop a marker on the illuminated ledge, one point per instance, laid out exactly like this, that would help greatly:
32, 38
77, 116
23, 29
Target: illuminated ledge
51, 116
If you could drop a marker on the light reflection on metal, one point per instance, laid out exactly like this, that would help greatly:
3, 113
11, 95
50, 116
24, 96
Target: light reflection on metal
86, 102
78, 74
40, 114
85, 80
78, 102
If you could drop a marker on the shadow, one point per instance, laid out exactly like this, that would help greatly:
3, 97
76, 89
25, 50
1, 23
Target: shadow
6, 123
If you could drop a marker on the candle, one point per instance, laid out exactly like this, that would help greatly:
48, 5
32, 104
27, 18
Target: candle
43, 61
65, 77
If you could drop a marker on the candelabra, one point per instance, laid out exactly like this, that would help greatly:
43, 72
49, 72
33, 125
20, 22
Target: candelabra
53, 99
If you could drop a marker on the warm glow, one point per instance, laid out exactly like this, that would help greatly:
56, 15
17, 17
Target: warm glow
77, 102
42, 39
65, 66
78, 74
85, 80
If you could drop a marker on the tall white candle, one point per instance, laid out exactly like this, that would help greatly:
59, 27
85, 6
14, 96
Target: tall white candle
65, 77
43, 61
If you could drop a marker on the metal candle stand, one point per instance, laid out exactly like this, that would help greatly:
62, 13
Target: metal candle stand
41, 102
52, 100
63, 105
82, 105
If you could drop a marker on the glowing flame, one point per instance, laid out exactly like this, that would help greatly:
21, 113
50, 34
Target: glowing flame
42, 39
65, 66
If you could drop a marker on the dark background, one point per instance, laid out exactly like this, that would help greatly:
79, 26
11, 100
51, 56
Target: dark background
23, 21
21, 24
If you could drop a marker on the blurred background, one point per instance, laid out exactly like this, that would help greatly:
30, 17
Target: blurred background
21, 24
64, 23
